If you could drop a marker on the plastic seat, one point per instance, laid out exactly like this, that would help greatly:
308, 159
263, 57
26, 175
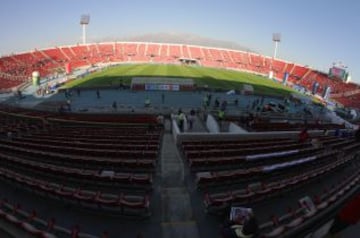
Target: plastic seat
12, 219
243, 198
333, 198
295, 222
47, 235
84, 195
322, 205
30, 228
135, 205
135, 201
108, 201
65, 192
264, 191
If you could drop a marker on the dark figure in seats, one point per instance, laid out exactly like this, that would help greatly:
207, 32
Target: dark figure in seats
114, 106
237, 229
303, 136
216, 103
181, 119
191, 119
236, 102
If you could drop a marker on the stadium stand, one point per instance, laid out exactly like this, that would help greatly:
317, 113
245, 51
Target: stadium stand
56, 159
109, 168
248, 172
22, 65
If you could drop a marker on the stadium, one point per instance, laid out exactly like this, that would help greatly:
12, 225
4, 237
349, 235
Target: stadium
169, 139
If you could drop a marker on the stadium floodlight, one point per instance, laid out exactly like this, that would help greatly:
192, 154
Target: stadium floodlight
84, 21
276, 39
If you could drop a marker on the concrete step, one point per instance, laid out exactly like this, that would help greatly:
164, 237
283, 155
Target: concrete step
180, 229
176, 205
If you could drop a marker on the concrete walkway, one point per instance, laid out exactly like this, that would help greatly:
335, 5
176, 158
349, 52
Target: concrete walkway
177, 218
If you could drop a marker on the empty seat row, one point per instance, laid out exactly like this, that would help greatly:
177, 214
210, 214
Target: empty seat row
80, 161
224, 142
340, 192
233, 176
114, 153
221, 200
85, 145
123, 141
122, 204
246, 151
248, 161
130, 180
234, 145
33, 224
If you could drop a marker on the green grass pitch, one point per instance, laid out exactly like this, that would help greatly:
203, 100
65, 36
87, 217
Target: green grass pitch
212, 77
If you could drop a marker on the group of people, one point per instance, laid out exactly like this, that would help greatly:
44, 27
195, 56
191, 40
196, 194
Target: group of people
44, 90
181, 117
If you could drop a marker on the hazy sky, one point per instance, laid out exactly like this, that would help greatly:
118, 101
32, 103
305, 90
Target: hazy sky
314, 32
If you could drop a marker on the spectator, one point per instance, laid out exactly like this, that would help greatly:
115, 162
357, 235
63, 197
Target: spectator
68, 105
337, 132
160, 120
236, 102
205, 101
114, 106
223, 105
216, 103
250, 119
147, 102
78, 91
234, 229
221, 116
209, 98
326, 132
191, 119
181, 119
98, 93
303, 136
316, 143
19, 94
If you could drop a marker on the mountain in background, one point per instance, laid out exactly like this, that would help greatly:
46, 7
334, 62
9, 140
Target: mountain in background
182, 38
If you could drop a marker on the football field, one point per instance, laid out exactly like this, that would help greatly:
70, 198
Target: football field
212, 77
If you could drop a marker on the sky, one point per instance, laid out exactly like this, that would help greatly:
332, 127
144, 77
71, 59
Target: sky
313, 32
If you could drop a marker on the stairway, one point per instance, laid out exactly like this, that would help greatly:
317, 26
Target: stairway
177, 218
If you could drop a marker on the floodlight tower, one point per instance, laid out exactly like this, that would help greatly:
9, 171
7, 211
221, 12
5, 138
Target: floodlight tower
84, 21
276, 39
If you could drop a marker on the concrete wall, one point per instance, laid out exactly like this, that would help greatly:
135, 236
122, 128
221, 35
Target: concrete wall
233, 128
212, 124
174, 128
